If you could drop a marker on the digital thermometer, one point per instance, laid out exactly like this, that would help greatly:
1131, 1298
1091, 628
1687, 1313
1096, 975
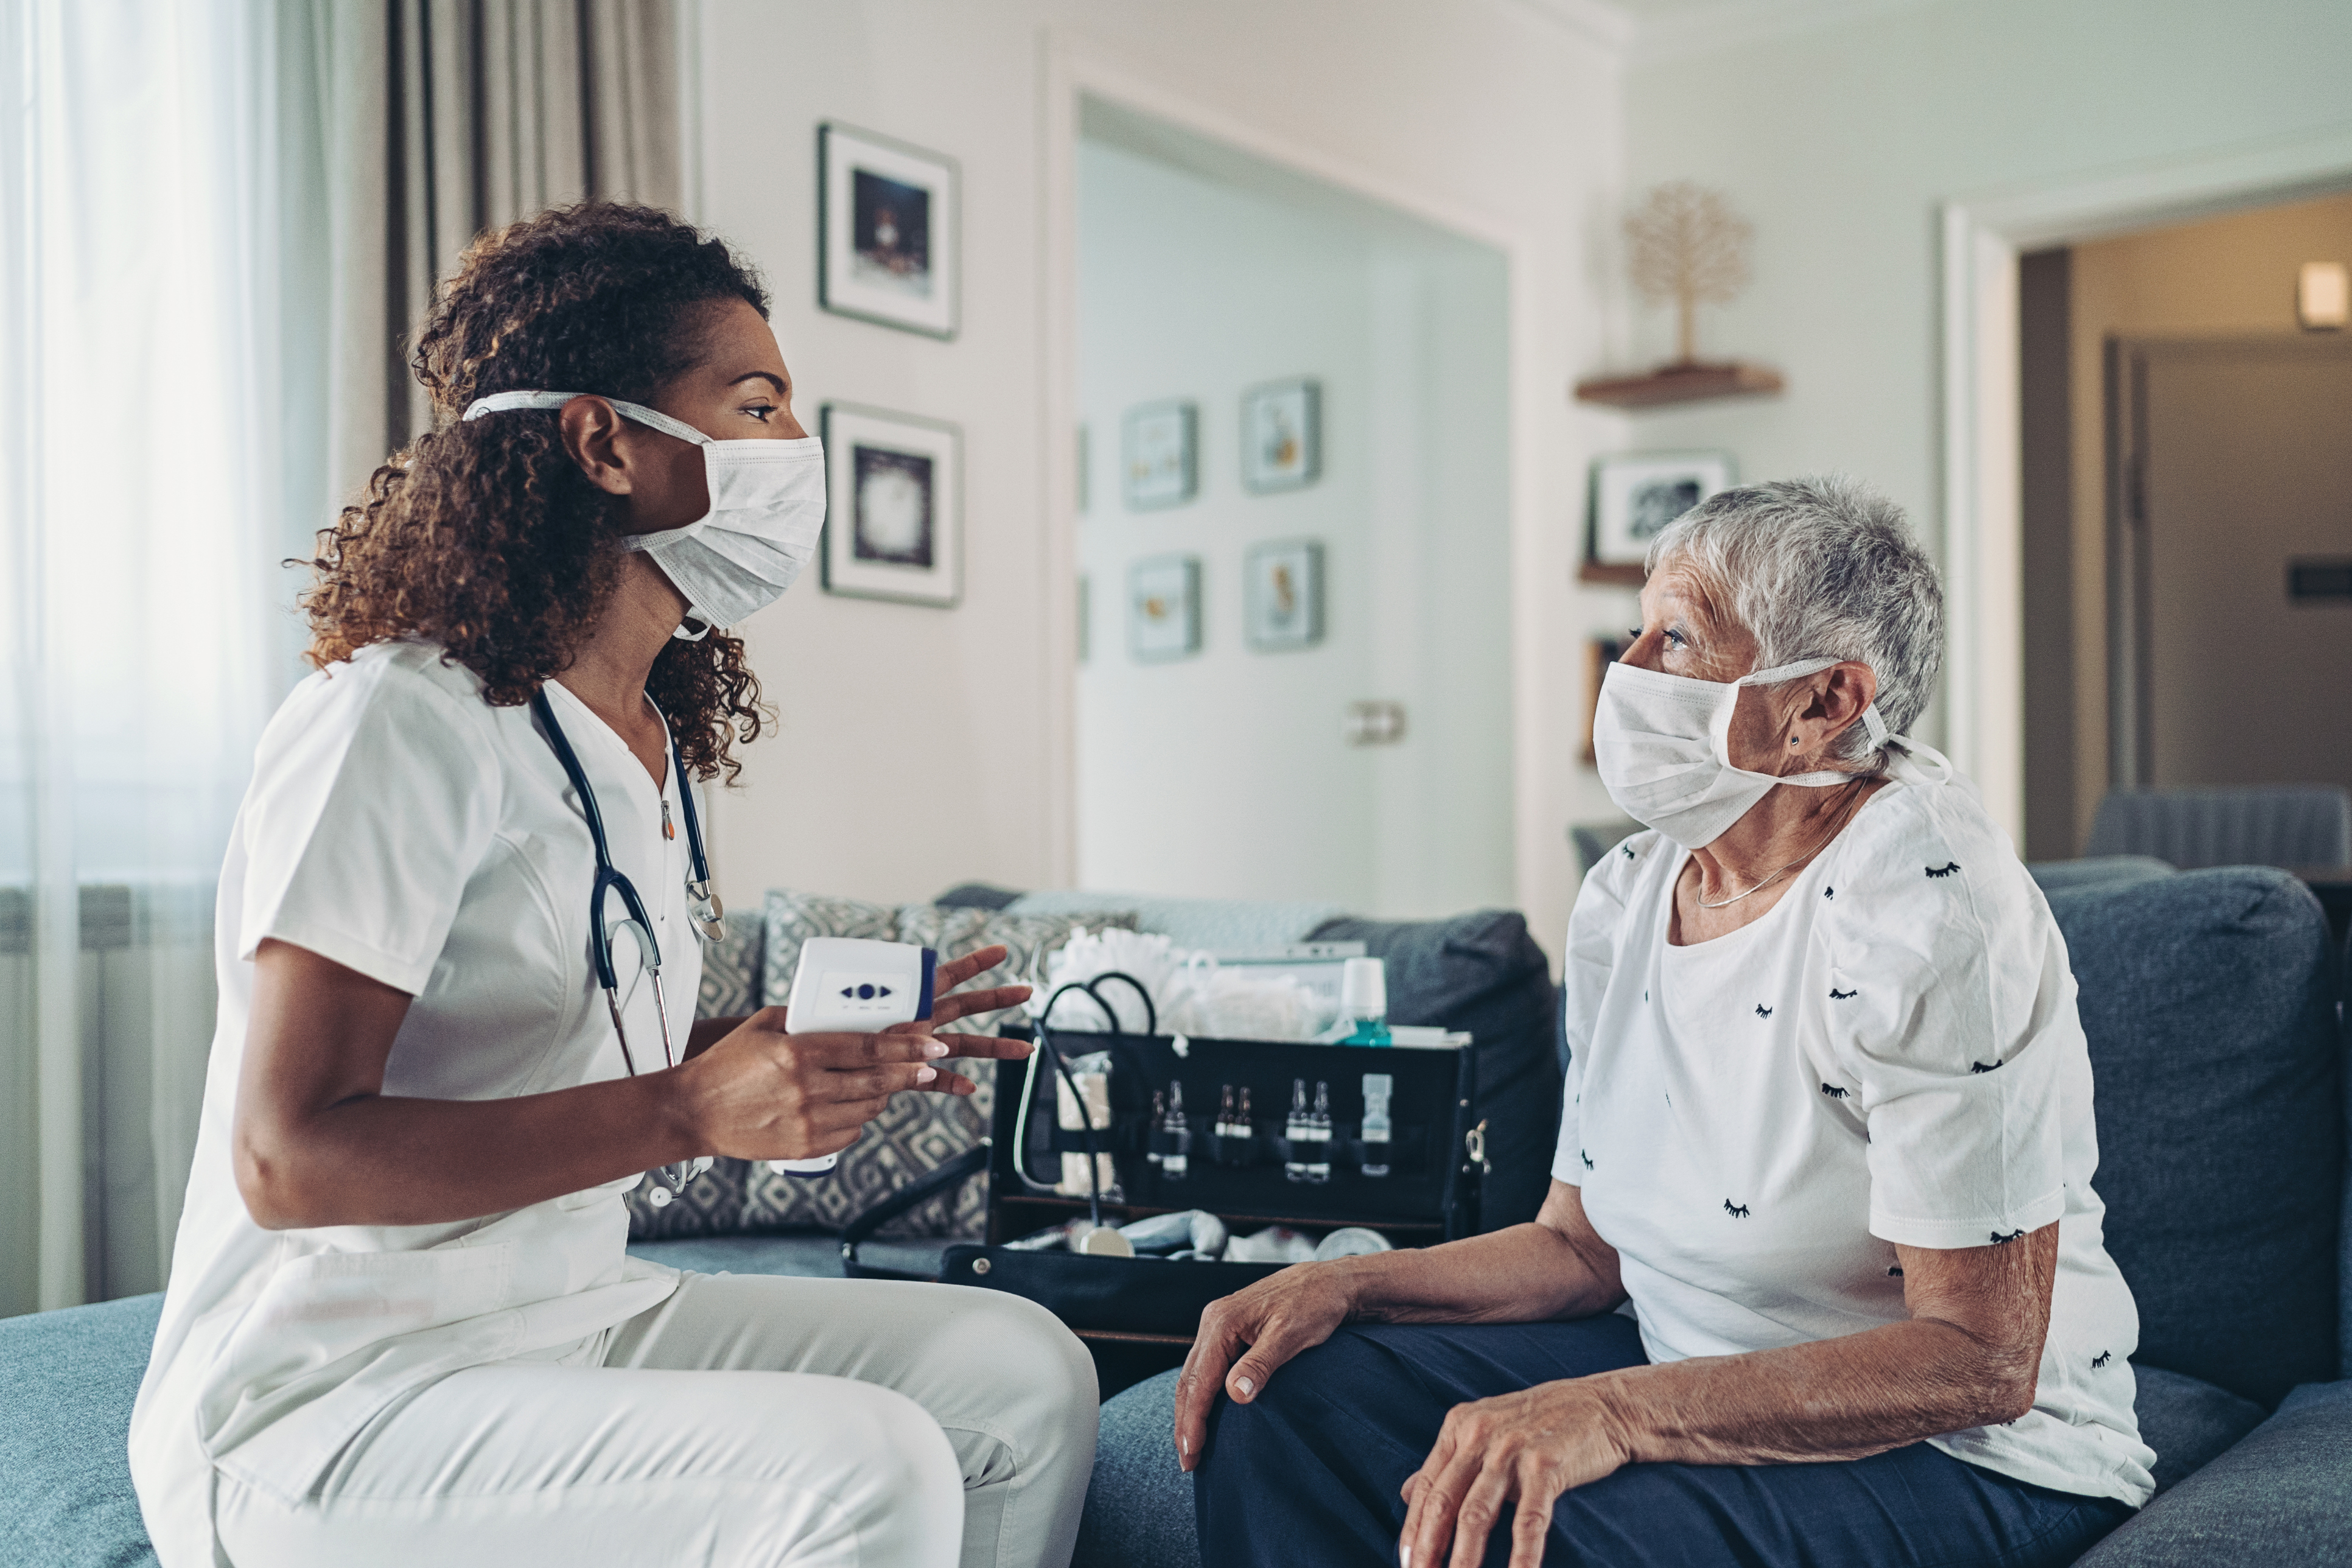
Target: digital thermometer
850, 984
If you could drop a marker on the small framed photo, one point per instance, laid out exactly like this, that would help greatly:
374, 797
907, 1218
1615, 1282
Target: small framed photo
1282, 436
1282, 594
1164, 607
888, 231
893, 506
1635, 497
1160, 455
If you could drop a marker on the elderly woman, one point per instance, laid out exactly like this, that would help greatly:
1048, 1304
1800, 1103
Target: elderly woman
1819, 1279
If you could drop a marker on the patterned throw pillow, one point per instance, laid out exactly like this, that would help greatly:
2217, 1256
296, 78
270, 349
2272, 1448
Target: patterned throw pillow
919, 1133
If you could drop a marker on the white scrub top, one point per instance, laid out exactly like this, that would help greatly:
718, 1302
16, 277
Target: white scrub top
401, 827
1890, 1053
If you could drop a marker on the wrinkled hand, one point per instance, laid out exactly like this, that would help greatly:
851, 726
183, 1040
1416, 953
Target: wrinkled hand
1516, 1452
1276, 1318
764, 1093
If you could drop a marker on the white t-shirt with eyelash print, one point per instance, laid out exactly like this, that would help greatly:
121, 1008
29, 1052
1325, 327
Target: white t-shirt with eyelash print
1891, 1054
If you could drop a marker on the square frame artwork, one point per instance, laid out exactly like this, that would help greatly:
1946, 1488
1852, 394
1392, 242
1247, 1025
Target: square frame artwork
1634, 496
1163, 608
1282, 594
890, 231
893, 506
1282, 436
1159, 455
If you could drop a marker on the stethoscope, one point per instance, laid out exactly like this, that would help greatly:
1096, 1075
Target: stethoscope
709, 918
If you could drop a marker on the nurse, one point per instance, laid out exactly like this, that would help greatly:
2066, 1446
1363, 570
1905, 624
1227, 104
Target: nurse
402, 1326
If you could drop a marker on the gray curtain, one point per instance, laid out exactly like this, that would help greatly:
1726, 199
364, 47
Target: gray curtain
443, 118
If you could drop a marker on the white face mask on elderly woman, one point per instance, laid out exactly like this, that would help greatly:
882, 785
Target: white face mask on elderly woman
1663, 744
767, 507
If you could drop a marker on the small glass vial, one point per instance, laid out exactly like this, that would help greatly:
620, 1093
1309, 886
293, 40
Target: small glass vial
1176, 1161
1295, 1131
1225, 1127
1318, 1135
1364, 1002
1378, 1133
1159, 1123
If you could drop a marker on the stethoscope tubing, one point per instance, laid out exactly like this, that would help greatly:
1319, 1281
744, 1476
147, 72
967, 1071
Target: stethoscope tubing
609, 879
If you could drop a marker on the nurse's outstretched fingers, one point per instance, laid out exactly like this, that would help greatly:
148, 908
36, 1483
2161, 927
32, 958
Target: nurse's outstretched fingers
954, 971
964, 1004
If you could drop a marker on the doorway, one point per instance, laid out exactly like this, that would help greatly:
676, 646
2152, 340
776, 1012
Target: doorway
2231, 544
1293, 540
2181, 454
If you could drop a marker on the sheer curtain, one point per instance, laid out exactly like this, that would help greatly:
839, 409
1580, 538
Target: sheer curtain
143, 515
219, 221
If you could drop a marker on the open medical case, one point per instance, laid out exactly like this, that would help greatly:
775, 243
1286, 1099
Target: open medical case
1430, 1193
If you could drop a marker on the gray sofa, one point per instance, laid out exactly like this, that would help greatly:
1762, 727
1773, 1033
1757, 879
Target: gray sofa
2211, 1000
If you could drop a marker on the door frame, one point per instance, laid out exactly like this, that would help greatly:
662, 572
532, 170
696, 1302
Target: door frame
1983, 236
1074, 70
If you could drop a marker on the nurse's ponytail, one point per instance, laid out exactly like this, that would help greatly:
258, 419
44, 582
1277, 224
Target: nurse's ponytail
485, 537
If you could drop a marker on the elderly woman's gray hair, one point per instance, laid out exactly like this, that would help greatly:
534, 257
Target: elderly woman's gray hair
1821, 568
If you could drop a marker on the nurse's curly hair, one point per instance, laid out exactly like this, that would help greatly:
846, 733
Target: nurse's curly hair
485, 537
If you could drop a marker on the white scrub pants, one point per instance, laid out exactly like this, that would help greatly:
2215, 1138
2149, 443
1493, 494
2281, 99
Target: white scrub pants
748, 1420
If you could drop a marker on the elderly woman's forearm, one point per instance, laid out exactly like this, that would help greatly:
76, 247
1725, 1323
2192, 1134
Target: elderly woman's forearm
1525, 1274
1833, 1399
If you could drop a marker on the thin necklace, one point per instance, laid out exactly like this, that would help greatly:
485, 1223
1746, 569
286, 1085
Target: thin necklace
1784, 870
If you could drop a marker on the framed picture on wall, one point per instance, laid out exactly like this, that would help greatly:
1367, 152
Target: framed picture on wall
1634, 496
1282, 594
888, 244
1282, 436
1159, 455
893, 506
1163, 608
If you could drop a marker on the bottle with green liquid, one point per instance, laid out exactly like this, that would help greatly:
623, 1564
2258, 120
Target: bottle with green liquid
1364, 1002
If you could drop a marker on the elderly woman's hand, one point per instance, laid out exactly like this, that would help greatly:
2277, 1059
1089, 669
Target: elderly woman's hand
1516, 1452
1276, 1318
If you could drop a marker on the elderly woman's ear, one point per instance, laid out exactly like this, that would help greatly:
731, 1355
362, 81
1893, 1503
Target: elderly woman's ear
1793, 728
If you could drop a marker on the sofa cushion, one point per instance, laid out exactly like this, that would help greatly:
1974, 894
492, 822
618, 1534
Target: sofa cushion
2208, 1001
2189, 1422
1139, 1505
1482, 972
2055, 875
2280, 1495
65, 1393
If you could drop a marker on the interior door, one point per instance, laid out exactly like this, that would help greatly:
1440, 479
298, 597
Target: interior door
2230, 581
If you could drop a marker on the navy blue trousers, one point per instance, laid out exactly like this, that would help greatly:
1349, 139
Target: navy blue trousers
1307, 1474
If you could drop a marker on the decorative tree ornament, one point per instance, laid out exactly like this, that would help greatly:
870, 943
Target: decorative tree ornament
1686, 247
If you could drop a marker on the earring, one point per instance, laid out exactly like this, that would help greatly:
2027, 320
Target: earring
1792, 739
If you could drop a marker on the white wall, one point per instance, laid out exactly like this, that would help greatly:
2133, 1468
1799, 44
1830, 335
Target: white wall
920, 747
1226, 773
1841, 140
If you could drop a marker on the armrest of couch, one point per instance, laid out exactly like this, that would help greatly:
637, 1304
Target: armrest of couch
2282, 1494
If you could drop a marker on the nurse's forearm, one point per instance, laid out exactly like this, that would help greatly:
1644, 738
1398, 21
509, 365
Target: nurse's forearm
382, 1160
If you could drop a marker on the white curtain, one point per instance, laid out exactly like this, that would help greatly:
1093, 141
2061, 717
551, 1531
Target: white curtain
219, 220
145, 636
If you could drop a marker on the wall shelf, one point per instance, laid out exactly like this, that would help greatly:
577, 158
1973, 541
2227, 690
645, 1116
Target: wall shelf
1612, 576
1681, 383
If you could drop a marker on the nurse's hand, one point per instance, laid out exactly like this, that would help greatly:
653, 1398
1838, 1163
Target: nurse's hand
762, 1092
